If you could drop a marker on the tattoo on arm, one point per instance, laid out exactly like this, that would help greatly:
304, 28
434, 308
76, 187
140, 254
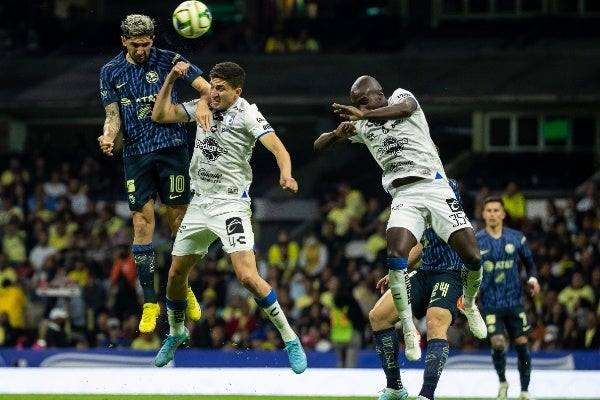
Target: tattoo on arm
112, 123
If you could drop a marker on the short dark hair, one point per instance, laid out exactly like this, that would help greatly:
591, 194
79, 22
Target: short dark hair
493, 199
137, 25
230, 72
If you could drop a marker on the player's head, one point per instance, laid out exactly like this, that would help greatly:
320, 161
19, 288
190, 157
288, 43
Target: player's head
226, 83
367, 94
493, 211
137, 36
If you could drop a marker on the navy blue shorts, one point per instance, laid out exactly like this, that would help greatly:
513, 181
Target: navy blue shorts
512, 321
164, 172
430, 288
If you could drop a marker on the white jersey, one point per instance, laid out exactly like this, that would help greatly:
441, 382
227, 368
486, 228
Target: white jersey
220, 165
401, 147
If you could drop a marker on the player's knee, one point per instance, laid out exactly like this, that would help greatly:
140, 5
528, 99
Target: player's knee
498, 342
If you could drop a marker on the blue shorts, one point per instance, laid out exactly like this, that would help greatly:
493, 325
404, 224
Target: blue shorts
164, 172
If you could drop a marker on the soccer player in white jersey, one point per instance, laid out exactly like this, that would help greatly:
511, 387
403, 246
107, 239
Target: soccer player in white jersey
396, 133
221, 175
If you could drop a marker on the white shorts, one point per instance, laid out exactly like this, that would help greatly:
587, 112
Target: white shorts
427, 202
207, 219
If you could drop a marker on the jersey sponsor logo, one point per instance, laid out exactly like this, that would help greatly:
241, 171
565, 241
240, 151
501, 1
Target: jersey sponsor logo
144, 111
234, 225
397, 165
267, 127
151, 77
210, 148
207, 176
125, 102
483, 252
120, 85
231, 190
392, 146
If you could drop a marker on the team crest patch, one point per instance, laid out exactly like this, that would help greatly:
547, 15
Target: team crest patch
454, 205
509, 248
130, 184
229, 120
151, 77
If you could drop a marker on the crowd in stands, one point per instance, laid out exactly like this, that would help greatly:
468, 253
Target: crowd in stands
68, 278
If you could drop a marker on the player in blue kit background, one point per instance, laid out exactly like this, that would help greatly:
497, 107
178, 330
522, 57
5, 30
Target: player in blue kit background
501, 297
155, 157
436, 287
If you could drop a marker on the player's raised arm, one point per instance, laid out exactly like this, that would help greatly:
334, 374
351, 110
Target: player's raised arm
203, 113
338, 135
164, 110
112, 125
272, 142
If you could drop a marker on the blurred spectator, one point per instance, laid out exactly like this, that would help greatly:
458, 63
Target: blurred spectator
314, 255
284, 252
6, 270
115, 338
590, 198
38, 255
56, 335
146, 341
14, 173
124, 284
276, 42
54, 186
592, 332
514, 204
8, 335
202, 335
13, 302
14, 244
304, 42
577, 290
10, 211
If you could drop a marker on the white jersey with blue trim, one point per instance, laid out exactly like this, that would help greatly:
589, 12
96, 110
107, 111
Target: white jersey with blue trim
220, 165
402, 147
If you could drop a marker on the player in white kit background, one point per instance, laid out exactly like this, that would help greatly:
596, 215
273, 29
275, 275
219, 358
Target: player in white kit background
221, 175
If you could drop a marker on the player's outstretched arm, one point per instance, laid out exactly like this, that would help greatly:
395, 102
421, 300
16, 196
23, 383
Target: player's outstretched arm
164, 111
272, 142
339, 135
112, 125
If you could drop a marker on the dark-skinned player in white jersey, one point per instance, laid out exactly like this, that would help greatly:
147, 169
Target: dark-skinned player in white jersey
396, 133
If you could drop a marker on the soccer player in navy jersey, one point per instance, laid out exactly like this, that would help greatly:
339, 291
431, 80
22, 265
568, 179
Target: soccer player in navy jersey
155, 157
396, 133
435, 289
501, 297
221, 176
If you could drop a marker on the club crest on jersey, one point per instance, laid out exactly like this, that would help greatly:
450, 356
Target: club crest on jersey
151, 77
392, 145
210, 148
509, 248
454, 205
229, 119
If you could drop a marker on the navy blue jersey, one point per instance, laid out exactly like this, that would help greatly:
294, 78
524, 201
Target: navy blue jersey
437, 254
135, 88
501, 284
